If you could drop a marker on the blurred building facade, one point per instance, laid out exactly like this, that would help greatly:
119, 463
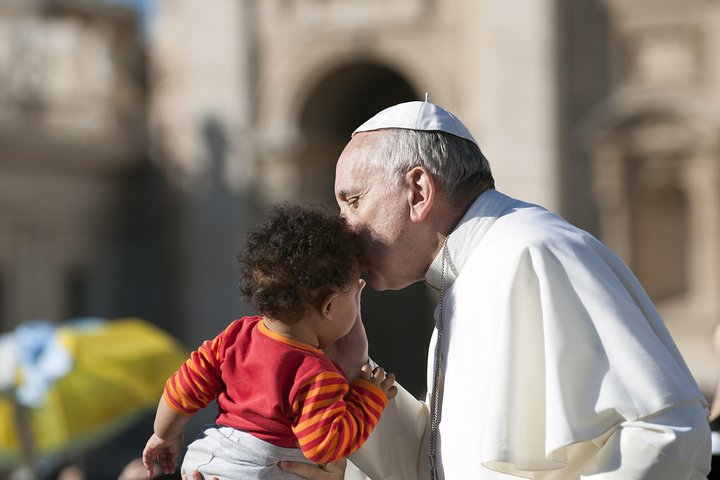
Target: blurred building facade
120, 197
72, 136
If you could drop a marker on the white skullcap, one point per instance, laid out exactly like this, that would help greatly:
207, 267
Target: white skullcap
424, 116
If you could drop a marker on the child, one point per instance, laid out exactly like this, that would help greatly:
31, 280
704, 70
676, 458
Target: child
275, 388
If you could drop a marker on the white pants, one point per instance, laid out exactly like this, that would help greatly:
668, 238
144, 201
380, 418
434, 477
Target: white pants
231, 454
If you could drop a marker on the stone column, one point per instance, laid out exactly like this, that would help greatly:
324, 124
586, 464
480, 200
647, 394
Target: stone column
519, 105
201, 113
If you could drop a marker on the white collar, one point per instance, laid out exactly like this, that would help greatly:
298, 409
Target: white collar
467, 234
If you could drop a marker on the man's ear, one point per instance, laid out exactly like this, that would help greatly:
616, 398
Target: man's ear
421, 193
326, 307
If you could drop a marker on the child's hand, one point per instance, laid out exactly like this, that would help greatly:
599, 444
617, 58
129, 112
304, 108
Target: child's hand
378, 376
167, 452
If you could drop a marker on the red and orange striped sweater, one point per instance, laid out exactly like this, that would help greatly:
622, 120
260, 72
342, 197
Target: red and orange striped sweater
279, 390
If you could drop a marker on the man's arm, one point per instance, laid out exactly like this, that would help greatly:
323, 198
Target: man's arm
397, 448
673, 445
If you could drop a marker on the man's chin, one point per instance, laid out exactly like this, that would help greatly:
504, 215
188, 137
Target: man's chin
380, 283
375, 281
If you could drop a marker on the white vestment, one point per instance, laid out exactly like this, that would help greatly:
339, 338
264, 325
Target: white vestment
556, 364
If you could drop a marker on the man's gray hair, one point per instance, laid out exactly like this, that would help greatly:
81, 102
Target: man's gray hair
457, 165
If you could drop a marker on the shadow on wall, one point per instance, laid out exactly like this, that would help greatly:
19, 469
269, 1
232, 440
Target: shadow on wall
214, 218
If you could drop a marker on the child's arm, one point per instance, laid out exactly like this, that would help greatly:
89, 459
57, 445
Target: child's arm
167, 442
191, 388
335, 418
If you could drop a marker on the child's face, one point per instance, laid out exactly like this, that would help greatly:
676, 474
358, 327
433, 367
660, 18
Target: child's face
347, 309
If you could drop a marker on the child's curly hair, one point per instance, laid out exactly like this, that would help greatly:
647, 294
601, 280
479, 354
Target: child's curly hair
292, 260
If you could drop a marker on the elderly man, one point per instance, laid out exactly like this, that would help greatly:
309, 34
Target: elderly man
548, 360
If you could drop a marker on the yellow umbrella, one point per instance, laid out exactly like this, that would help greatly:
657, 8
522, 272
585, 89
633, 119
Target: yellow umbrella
119, 368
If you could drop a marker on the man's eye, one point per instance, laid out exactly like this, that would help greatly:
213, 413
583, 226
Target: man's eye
352, 201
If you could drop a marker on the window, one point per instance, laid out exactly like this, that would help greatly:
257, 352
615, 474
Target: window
660, 240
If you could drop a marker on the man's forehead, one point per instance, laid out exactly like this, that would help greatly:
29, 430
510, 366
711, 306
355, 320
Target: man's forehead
356, 154
352, 174
348, 179
354, 165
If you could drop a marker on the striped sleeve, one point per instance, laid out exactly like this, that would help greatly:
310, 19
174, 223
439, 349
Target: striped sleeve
334, 418
198, 381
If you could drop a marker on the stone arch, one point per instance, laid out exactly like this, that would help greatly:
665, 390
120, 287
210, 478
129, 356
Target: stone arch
287, 90
336, 104
284, 89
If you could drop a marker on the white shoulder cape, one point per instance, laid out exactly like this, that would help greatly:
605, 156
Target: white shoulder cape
549, 341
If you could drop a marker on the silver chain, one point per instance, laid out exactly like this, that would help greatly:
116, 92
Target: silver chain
436, 401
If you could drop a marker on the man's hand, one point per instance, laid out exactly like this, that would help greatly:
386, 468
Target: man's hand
351, 351
331, 471
197, 476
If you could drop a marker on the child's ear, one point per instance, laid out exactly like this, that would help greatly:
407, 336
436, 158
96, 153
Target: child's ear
326, 307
